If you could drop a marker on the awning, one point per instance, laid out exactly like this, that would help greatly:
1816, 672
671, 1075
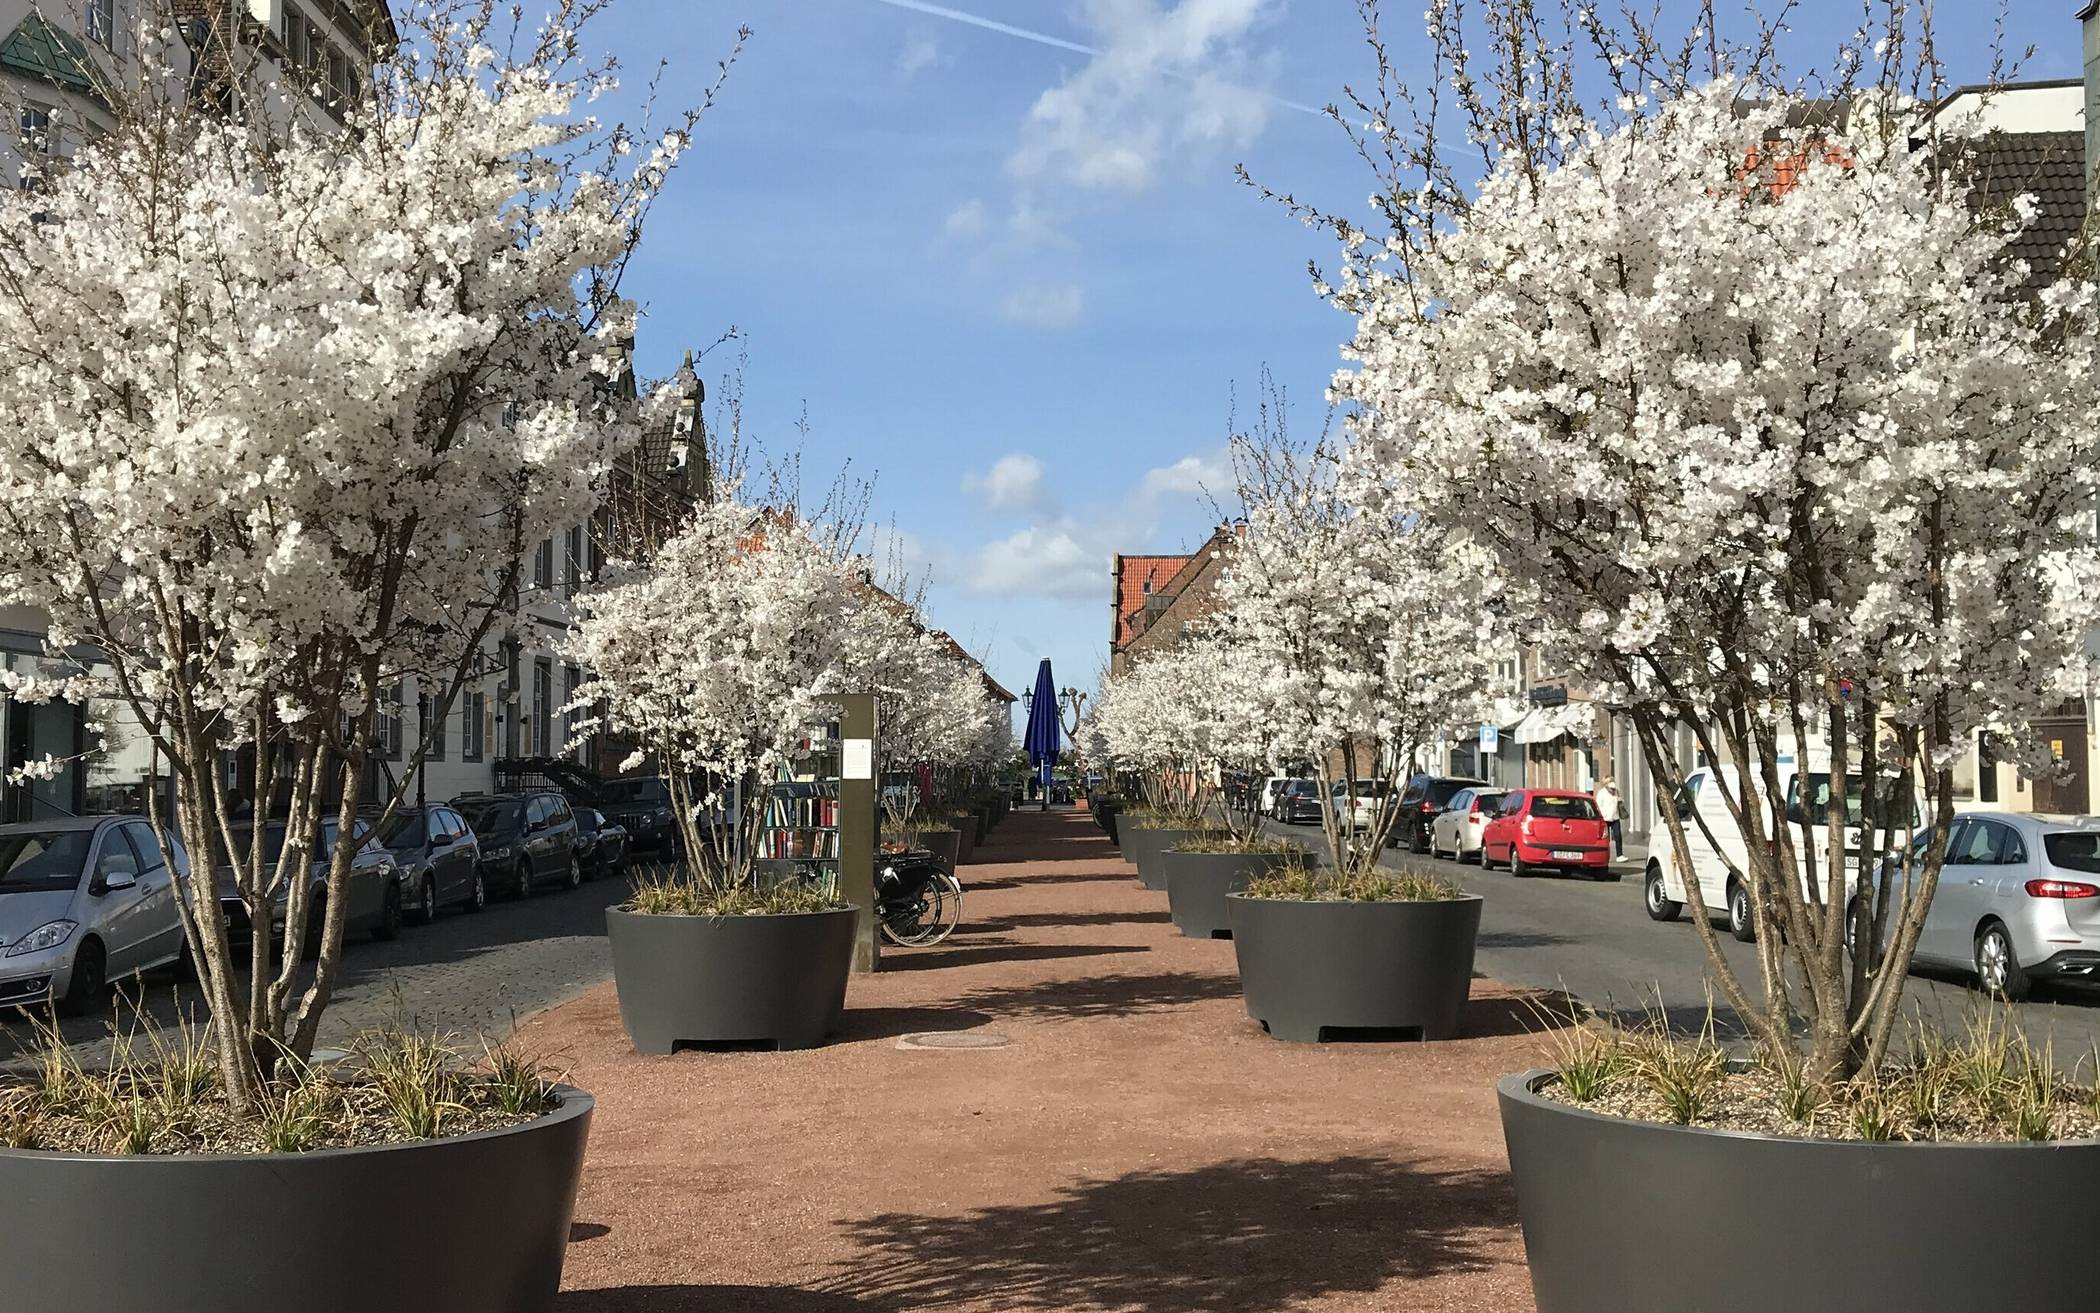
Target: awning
1544, 724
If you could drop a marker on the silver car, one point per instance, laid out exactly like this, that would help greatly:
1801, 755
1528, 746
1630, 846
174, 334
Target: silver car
2018, 900
83, 901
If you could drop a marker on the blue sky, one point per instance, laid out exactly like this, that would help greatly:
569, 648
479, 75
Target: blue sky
1017, 283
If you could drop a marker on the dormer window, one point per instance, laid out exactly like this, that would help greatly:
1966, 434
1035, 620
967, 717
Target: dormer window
1148, 588
102, 23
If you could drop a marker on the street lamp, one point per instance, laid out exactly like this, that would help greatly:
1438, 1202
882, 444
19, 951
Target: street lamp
1074, 701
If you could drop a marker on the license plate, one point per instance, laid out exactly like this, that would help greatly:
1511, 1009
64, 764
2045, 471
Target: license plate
1566, 855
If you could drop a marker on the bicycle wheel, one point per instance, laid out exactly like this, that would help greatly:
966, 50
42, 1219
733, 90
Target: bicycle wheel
927, 919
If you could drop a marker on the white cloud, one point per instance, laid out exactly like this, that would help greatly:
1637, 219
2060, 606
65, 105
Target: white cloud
1192, 476
1014, 483
920, 53
1044, 307
1047, 560
1175, 83
967, 220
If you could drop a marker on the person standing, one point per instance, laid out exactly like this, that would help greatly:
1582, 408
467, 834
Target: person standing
1607, 799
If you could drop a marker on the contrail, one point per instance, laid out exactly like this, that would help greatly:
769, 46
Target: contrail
1055, 42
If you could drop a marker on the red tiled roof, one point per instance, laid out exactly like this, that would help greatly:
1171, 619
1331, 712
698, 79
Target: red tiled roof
1133, 573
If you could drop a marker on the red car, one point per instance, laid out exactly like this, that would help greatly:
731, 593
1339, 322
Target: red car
1532, 828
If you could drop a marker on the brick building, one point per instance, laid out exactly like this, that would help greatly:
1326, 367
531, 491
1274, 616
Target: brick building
1156, 598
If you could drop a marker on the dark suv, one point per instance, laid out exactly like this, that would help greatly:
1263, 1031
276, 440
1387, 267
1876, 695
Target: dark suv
1298, 802
526, 839
1424, 797
642, 806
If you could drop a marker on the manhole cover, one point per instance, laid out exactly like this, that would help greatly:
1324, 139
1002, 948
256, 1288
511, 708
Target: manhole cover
952, 1039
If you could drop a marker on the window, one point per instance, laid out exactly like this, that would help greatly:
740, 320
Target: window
1563, 808
571, 680
431, 727
35, 135
102, 23
543, 564
572, 566
148, 847
1986, 769
471, 708
542, 709
392, 705
434, 827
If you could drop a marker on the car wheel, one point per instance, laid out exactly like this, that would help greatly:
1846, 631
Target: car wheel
389, 924
1998, 968
89, 988
574, 879
427, 900
1418, 841
477, 893
1517, 866
521, 882
1742, 922
1661, 907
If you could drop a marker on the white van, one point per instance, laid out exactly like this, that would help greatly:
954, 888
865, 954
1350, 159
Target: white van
1717, 845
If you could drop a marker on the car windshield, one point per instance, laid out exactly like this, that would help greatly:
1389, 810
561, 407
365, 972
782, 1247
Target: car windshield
405, 831
634, 791
495, 815
1894, 811
273, 841
42, 861
1564, 808
2074, 850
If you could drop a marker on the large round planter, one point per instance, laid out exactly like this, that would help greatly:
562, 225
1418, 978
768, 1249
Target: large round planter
1308, 967
944, 844
1144, 847
1637, 1217
470, 1224
1108, 826
965, 836
1197, 884
777, 979
983, 815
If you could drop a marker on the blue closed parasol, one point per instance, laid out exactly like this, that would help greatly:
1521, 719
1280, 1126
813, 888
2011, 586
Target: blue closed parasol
1044, 730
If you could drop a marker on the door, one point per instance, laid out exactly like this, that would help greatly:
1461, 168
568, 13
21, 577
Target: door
160, 919
1959, 900
120, 916
454, 861
2071, 794
540, 839
2005, 879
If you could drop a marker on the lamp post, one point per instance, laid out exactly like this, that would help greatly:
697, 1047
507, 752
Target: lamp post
1074, 701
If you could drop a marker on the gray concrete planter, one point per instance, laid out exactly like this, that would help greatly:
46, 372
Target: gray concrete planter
471, 1224
1145, 847
944, 844
1636, 1217
984, 822
1197, 884
1309, 967
778, 979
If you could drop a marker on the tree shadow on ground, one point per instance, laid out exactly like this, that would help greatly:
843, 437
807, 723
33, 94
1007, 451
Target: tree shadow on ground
1101, 996
710, 1299
1234, 1237
889, 1023
997, 950
1520, 939
1032, 881
1053, 920
1533, 1012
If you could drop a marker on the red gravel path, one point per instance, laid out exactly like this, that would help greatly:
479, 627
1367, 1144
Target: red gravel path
1139, 1145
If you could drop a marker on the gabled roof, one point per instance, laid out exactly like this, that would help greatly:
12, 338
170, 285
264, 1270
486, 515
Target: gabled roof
2050, 166
1132, 575
49, 54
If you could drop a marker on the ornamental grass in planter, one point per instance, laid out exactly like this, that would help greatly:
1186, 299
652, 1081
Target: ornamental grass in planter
1206, 865
335, 1170
938, 837
1322, 951
1144, 834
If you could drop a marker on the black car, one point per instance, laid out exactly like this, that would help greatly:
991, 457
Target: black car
1420, 801
1298, 802
642, 806
527, 839
601, 844
440, 860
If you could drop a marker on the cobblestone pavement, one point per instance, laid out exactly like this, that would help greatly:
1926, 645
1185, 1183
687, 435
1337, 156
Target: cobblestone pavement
470, 975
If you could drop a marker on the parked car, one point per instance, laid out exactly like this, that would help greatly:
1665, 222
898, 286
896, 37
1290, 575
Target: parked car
1298, 802
84, 901
374, 886
527, 839
1455, 833
1358, 810
1535, 828
440, 860
1716, 844
601, 844
2018, 900
1265, 801
1420, 801
642, 805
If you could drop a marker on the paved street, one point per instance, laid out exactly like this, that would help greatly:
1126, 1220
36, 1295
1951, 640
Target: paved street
1594, 940
465, 975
